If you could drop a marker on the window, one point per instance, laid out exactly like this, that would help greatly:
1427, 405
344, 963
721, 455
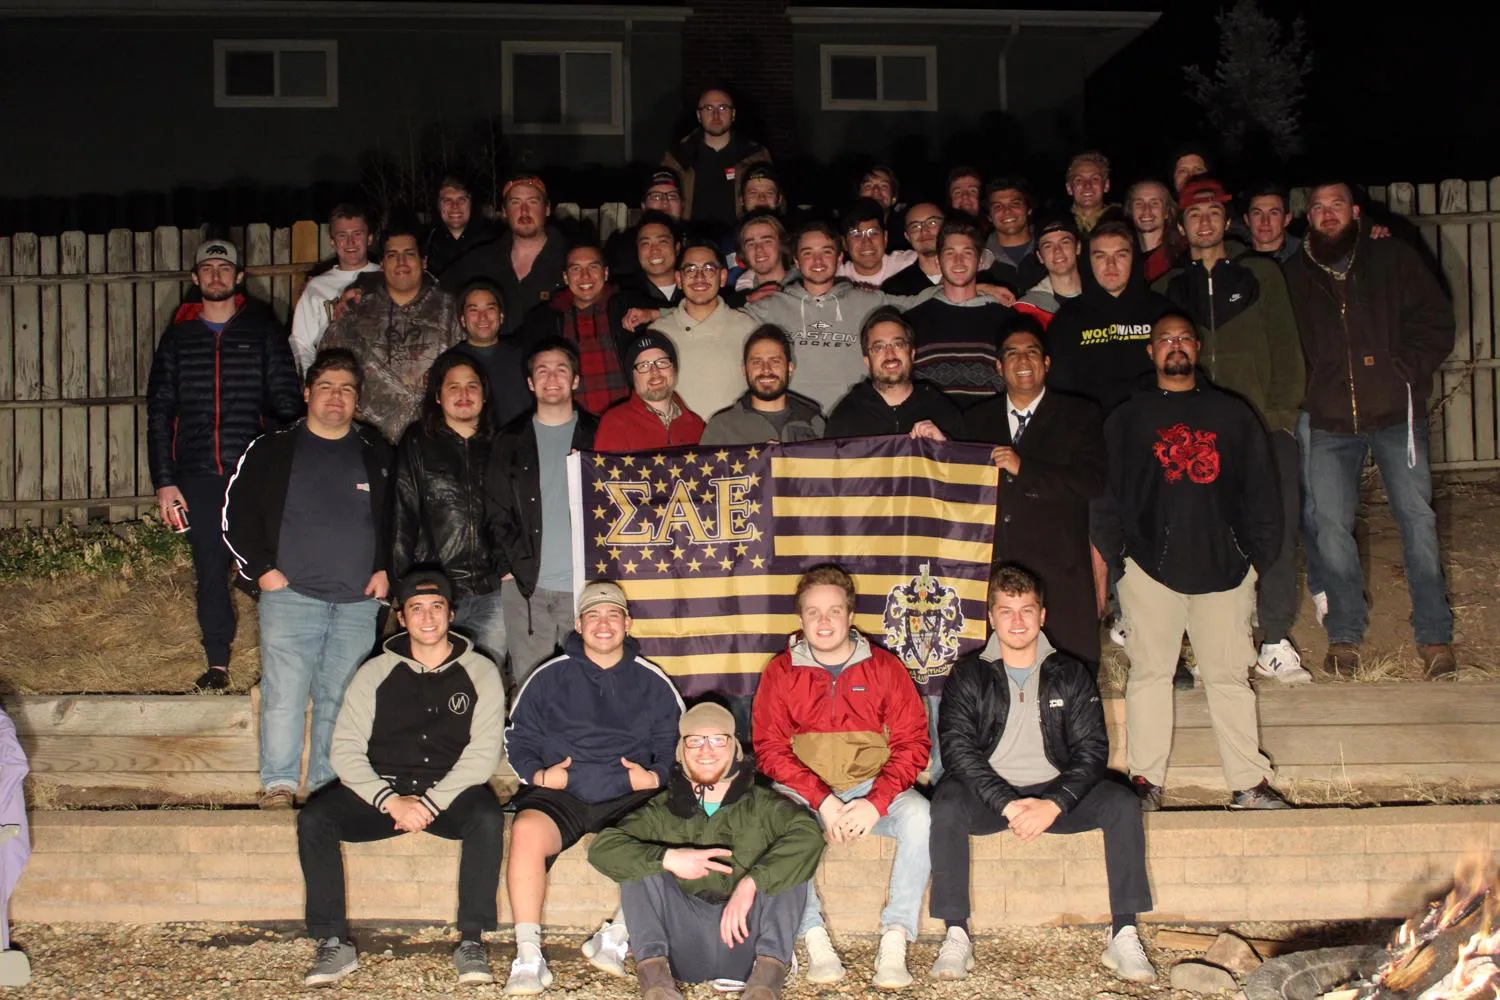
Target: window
276, 74
562, 88
879, 77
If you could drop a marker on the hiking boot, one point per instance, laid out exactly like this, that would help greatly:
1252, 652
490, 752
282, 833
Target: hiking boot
277, 798
955, 958
1262, 796
1280, 661
212, 680
1438, 663
472, 963
655, 978
1342, 659
606, 950
1149, 794
890, 961
529, 974
1127, 959
823, 965
767, 976
335, 960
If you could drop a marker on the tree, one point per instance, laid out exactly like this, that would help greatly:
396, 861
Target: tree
1252, 101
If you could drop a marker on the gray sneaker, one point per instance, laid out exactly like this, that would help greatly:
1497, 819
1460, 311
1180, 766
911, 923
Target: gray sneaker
472, 963
335, 960
1262, 796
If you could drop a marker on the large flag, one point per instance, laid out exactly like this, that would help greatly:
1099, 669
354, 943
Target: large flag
708, 544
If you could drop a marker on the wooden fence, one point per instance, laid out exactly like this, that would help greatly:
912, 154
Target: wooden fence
80, 315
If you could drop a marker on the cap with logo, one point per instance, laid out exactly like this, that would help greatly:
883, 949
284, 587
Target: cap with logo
423, 581
1201, 190
216, 250
601, 592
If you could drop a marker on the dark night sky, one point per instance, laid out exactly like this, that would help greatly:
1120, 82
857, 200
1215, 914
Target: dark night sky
1412, 96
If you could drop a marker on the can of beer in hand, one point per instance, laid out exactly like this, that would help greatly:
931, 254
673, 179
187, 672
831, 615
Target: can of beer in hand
179, 518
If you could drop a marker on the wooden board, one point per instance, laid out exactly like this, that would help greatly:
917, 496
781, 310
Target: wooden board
120, 377
98, 370
1412, 746
51, 382
26, 335
1482, 383
73, 363
281, 285
146, 334
7, 389
1457, 386
93, 788
1323, 704
141, 754
130, 715
257, 250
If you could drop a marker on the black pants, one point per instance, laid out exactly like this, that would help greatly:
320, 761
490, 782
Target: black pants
334, 814
664, 920
205, 500
1276, 590
1109, 806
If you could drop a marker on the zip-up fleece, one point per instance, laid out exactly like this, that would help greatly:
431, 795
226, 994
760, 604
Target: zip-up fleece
741, 423
406, 730
817, 733
632, 425
211, 394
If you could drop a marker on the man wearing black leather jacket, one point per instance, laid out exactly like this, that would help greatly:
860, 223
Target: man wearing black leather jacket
439, 499
1024, 748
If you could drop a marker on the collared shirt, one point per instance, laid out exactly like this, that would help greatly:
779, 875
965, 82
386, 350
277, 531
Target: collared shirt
1029, 410
673, 412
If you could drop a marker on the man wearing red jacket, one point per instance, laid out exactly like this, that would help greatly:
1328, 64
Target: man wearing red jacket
839, 725
653, 416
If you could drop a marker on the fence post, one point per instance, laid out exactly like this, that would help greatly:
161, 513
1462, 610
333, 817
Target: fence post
1481, 335
51, 377
120, 296
27, 334
1453, 243
73, 350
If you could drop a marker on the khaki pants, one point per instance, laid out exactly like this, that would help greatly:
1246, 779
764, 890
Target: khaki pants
1218, 625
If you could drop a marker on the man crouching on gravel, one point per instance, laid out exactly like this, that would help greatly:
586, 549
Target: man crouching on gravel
713, 873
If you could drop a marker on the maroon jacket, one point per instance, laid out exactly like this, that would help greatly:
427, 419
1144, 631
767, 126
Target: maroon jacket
633, 426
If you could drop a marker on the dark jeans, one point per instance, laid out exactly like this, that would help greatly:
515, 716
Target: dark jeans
1109, 806
664, 920
1276, 592
1337, 462
334, 814
205, 500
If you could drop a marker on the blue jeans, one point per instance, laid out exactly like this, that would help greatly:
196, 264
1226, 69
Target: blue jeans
1315, 579
907, 822
478, 618
1337, 460
308, 648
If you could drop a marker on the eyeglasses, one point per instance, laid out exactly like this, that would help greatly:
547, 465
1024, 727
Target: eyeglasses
881, 346
865, 234
718, 741
660, 364
722, 109
1176, 341
935, 222
662, 197
693, 270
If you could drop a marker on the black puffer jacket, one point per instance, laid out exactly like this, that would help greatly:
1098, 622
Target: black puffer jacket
976, 701
211, 394
439, 501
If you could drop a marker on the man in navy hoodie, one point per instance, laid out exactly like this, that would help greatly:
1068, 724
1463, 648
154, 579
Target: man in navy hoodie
593, 735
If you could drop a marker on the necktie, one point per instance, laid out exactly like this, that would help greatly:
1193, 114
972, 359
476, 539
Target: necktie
1021, 419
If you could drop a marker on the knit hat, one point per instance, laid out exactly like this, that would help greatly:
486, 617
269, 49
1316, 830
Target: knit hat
1201, 190
217, 250
423, 581
707, 718
646, 340
601, 592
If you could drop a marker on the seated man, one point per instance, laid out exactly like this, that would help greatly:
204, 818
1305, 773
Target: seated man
1022, 736
416, 741
839, 725
713, 875
591, 736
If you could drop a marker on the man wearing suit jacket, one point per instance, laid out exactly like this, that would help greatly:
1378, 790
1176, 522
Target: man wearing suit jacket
1049, 448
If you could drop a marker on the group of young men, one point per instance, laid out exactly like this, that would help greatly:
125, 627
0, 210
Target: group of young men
1161, 447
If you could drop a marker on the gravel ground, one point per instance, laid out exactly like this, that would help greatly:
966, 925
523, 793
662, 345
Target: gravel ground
229, 962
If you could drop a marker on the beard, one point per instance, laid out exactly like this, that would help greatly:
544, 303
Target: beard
218, 294
1332, 249
700, 775
1177, 364
768, 395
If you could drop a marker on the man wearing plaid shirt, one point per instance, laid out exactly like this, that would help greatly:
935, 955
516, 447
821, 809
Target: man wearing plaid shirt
580, 315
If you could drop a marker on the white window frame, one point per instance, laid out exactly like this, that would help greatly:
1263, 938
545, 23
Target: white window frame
616, 52
828, 51
328, 47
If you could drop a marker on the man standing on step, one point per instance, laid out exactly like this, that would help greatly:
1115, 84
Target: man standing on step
416, 742
222, 371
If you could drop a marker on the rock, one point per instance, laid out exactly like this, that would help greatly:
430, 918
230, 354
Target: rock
1234, 953
1200, 977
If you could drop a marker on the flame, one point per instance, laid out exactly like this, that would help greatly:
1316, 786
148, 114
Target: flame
1453, 949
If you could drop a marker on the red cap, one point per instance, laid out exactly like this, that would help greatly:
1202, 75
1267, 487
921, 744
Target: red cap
1202, 189
530, 180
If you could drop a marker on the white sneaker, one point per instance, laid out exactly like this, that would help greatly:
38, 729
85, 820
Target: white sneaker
1127, 959
606, 950
529, 974
1117, 630
1281, 661
890, 961
955, 959
823, 965
1320, 605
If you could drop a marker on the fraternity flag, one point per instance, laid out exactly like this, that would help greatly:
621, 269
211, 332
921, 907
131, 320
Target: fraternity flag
708, 544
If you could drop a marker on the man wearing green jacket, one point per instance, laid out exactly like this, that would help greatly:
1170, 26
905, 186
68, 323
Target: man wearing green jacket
713, 874
1250, 346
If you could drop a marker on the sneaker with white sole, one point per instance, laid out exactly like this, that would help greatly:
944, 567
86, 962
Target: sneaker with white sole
955, 958
1320, 605
529, 974
607, 949
472, 963
1280, 661
890, 961
336, 958
1127, 959
823, 965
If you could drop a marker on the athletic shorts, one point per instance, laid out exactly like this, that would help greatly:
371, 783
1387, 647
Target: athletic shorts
575, 817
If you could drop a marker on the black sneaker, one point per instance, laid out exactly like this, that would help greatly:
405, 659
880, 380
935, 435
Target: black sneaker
1262, 796
1149, 794
213, 679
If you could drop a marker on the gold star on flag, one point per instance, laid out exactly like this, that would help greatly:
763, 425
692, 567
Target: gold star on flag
710, 551
753, 453
754, 479
755, 506
598, 461
737, 468
757, 562
628, 461
599, 513
658, 460
614, 554
706, 498
677, 552
599, 540
614, 473
690, 457
726, 563
675, 472
708, 469
645, 553
661, 487
694, 565
708, 525
598, 486
601, 568
662, 566
721, 456
692, 485
629, 567
740, 549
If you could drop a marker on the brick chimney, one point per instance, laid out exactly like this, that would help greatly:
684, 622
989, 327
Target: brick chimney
745, 45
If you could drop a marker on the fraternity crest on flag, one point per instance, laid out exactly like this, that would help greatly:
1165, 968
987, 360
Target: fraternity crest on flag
923, 623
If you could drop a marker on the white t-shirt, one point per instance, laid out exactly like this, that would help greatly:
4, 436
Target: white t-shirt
314, 309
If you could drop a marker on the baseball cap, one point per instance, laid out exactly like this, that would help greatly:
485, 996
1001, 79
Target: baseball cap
601, 592
529, 180
663, 175
1202, 189
423, 581
1059, 223
217, 250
